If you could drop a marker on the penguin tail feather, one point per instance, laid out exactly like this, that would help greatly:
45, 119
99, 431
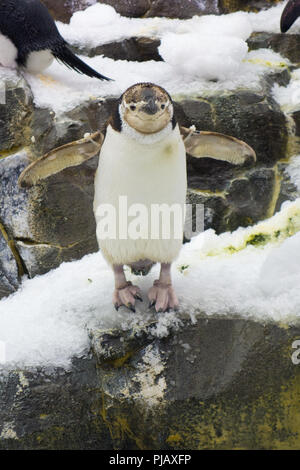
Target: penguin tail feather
67, 57
289, 15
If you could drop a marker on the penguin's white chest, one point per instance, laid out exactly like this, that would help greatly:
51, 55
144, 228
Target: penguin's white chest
145, 175
38, 61
8, 52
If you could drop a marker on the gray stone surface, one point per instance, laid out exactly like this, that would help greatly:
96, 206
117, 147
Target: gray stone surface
175, 9
288, 45
138, 49
9, 276
222, 383
15, 112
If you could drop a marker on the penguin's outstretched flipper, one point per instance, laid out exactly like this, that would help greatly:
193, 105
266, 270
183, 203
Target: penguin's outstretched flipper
201, 144
71, 154
289, 15
64, 54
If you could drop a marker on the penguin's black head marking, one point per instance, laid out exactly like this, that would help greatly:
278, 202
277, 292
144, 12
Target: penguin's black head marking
146, 107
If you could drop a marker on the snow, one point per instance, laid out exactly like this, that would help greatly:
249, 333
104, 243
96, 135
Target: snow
288, 97
202, 55
61, 89
47, 321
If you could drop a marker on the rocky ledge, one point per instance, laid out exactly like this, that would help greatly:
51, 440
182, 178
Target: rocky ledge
220, 383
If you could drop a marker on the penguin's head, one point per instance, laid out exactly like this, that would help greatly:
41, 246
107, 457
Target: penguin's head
147, 108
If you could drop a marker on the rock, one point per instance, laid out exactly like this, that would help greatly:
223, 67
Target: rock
131, 392
287, 45
132, 8
247, 200
9, 276
182, 8
251, 198
62, 10
51, 131
185, 8
137, 49
236, 196
15, 112
229, 6
215, 207
296, 118
175, 9
53, 222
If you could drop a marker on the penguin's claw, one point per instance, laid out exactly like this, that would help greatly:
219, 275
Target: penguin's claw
163, 297
126, 297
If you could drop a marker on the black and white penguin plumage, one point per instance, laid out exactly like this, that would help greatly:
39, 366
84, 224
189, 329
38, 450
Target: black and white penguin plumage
142, 159
289, 15
30, 39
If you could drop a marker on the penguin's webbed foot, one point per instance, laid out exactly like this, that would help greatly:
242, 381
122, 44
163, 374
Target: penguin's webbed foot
163, 297
126, 296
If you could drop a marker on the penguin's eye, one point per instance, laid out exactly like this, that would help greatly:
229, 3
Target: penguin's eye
132, 107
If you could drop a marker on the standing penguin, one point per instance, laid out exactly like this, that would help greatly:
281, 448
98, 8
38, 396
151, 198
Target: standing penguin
142, 157
30, 39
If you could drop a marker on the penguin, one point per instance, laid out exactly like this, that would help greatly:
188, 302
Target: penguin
30, 39
142, 158
289, 15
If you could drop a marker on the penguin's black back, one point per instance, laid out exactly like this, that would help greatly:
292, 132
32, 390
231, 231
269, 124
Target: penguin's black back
29, 25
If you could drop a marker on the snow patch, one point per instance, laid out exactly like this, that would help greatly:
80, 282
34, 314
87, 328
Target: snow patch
288, 97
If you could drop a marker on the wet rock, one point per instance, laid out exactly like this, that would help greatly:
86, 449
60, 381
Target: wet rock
175, 9
9, 276
40, 258
251, 198
288, 45
229, 6
201, 386
215, 208
62, 10
185, 8
54, 222
16, 110
51, 131
241, 114
288, 190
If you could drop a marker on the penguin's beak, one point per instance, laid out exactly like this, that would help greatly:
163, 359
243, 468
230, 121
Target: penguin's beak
150, 108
